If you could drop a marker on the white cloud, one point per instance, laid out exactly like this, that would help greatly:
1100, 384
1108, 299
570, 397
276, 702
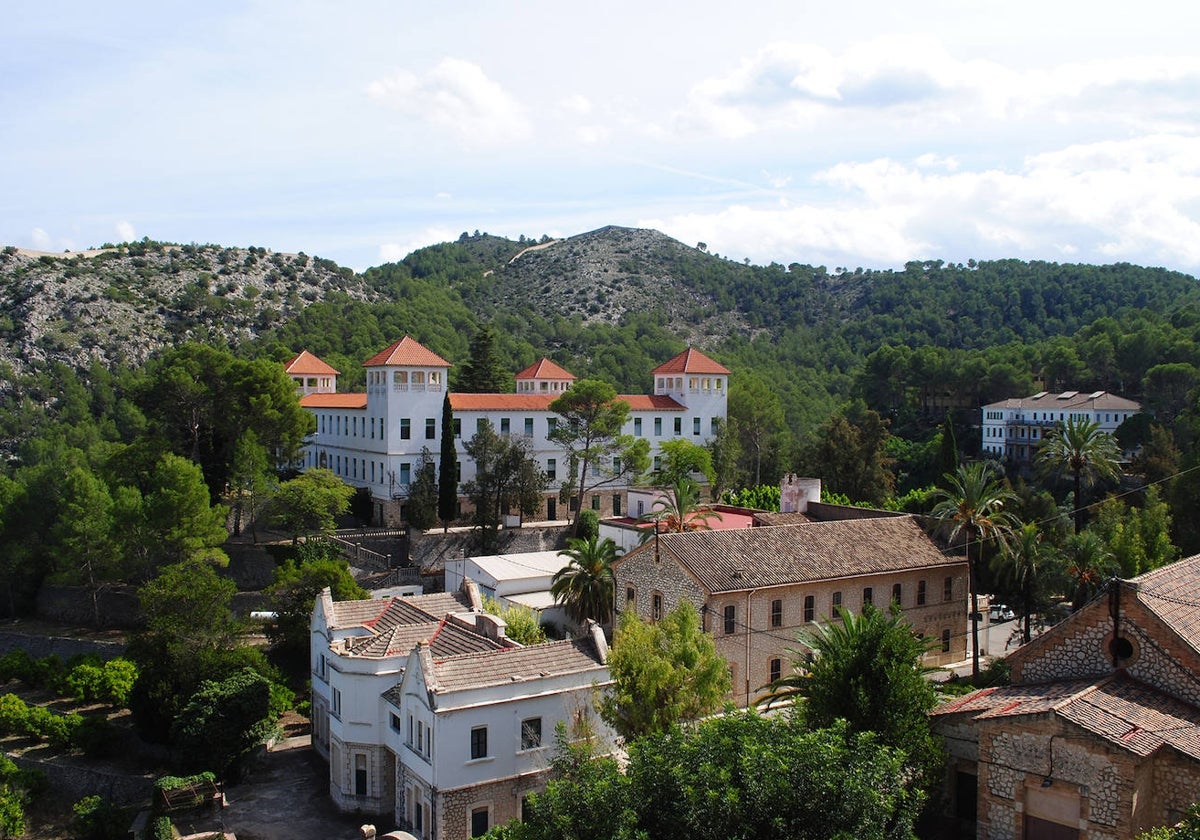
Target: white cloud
1130, 200
456, 96
125, 232
398, 250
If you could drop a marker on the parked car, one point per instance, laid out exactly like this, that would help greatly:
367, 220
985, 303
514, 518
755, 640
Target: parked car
1002, 612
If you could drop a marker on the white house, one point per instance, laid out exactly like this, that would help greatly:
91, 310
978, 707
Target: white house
1013, 428
375, 439
428, 714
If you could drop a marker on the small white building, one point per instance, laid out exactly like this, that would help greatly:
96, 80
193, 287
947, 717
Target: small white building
430, 715
1014, 428
523, 579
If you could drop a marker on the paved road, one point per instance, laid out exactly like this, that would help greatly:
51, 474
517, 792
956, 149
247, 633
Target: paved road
285, 798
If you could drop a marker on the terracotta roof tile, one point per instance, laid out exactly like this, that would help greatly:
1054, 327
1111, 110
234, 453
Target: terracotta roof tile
730, 561
407, 352
1172, 592
652, 402
334, 401
690, 361
502, 402
510, 665
1056, 401
545, 369
306, 364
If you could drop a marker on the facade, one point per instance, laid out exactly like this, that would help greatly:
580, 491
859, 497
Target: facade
756, 588
524, 578
1013, 429
1099, 734
376, 439
430, 716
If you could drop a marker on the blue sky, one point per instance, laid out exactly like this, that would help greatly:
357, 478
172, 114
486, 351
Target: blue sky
852, 134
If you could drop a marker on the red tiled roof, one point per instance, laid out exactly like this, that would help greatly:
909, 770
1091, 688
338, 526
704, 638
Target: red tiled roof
1172, 592
509, 665
748, 558
306, 364
545, 369
334, 401
690, 361
408, 352
541, 402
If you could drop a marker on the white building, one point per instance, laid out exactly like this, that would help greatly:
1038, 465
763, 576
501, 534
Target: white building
1013, 428
436, 719
375, 439
523, 578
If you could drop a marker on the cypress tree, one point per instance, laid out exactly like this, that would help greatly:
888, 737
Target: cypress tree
484, 373
447, 504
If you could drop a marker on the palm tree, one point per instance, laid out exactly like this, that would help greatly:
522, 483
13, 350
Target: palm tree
1082, 449
1023, 562
680, 510
972, 507
1089, 563
585, 585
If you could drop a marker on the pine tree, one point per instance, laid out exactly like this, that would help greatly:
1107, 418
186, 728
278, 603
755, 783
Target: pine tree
484, 373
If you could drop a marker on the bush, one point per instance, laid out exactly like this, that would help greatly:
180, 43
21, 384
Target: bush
119, 678
17, 664
588, 525
162, 829
98, 819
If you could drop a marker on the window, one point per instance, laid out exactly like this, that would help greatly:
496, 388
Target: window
504, 425
336, 700
479, 742
397, 726
637, 426
595, 503
775, 667
920, 593
946, 641
777, 613
617, 504
868, 595
658, 427
360, 774
678, 425
730, 619
457, 426
405, 429
897, 593
528, 427
695, 425
810, 607
531, 733
405, 474
836, 602
657, 463
323, 668
656, 606
715, 425
631, 597
552, 468
551, 425
948, 589
479, 822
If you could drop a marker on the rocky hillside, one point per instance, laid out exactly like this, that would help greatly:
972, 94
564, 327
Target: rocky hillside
603, 275
123, 303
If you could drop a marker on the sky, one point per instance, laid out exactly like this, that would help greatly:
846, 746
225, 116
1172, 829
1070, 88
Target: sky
839, 134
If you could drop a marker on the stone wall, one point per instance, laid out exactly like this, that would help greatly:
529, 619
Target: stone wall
429, 550
39, 646
71, 783
502, 800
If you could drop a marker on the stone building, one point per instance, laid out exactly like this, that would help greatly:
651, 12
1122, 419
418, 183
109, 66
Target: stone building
756, 588
1099, 734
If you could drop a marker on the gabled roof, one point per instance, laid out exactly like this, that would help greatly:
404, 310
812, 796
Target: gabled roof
444, 637
749, 558
1069, 401
384, 613
334, 401
306, 364
545, 369
1126, 713
407, 352
1172, 593
690, 361
511, 665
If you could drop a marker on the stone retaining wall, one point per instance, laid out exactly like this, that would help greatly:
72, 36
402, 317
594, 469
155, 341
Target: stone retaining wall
72, 782
430, 549
40, 647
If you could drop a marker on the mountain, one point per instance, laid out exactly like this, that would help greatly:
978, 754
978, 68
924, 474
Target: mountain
122, 303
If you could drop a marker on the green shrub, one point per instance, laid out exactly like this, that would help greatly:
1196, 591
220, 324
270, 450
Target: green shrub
162, 829
119, 678
98, 819
17, 664
589, 524
85, 683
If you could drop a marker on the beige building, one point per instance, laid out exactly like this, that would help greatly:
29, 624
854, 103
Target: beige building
757, 588
1099, 735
